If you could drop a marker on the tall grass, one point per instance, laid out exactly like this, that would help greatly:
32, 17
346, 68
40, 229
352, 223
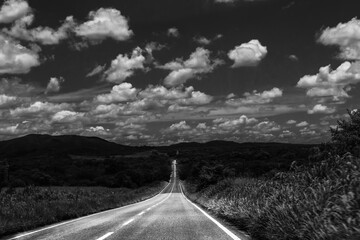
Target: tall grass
319, 202
26, 208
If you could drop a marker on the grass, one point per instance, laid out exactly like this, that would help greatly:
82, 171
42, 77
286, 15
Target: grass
319, 202
22, 209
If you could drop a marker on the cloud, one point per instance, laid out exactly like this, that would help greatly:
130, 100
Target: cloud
256, 97
225, 1
43, 35
202, 40
17, 88
291, 122
97, 70
124, 66
346, 36
180, 76
287, 134
328, 82
66, 116
198, 63
15, 58
120, 93
206, 41
235, 123
302, 124
98, 129
5, 100
155, 102
318, 108
9, 130
179, 126
105, 23
54, 85
173, 32
12, 10
266, 127
177, 96
248, 54
293, 58
38, 108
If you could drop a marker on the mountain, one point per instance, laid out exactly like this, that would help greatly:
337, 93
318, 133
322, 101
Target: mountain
224, 145
36, 144
40, 145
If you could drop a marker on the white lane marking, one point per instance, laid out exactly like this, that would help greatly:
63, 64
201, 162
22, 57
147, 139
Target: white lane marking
91, 215
227, 231
148, 209
126, 223
105, 236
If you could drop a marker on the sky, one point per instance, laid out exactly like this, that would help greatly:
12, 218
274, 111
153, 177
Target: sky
143, 72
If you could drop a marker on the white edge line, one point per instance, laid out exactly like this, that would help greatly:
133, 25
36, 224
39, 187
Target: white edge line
91, 215
227, 231
105, 236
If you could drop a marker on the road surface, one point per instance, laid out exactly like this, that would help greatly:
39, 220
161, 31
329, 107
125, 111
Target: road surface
169, 215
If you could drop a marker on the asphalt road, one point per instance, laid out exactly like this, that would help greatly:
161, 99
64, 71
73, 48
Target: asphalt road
169, 215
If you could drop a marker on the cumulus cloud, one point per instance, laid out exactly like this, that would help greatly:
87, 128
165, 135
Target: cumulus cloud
287, 134
66, 116
266, 127
124, 66
234, 123
319, 108
15, 58
346, 36
256, 97
4, 99
38, 108
54, 85
291, 122
248, 54
179, 96
119, 93
328, 82
302, 124
126, 100
12, 10
198, 63
105, 23
173, 32
98, 129
43, 35
179, 126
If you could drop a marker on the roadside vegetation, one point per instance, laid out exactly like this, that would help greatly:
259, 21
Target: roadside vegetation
26, 208
40, 189
315, 199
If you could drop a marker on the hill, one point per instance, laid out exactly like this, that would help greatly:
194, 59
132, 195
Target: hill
36, 144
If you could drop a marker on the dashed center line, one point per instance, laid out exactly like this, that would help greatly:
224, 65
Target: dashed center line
126, 223
105, 236
143, 212
149, 208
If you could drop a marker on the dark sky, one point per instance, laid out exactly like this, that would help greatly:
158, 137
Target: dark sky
164, 71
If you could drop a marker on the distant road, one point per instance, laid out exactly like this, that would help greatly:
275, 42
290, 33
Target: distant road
169, 215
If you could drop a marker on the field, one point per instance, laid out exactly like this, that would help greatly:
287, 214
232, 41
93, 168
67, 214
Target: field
22, 209
320, 202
